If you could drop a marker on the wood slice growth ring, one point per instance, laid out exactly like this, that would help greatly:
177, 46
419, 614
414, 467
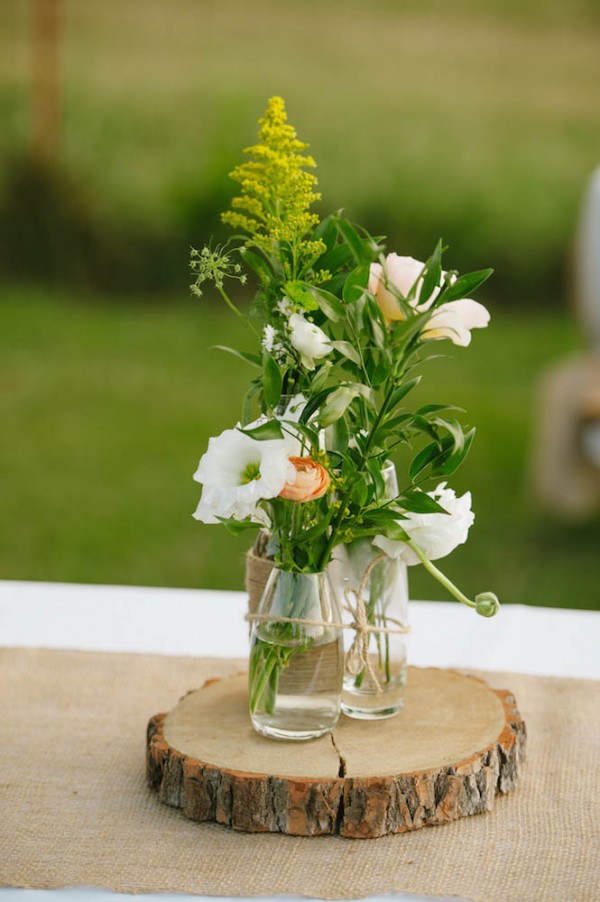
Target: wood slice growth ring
456, 744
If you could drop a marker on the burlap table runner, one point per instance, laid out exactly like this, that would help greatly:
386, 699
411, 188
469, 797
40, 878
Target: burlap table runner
75, 808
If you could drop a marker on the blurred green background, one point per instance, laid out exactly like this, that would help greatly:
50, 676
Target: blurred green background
475, 121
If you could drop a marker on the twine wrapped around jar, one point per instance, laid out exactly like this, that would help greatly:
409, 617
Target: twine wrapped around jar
258, 570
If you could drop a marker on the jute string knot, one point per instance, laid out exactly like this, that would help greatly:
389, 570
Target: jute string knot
357, 657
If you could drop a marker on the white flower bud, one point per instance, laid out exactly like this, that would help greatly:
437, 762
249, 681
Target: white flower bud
309, 340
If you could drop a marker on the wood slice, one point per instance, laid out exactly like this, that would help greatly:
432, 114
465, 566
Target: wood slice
456, 744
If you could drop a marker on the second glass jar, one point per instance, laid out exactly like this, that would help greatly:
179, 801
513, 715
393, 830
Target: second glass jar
375, 691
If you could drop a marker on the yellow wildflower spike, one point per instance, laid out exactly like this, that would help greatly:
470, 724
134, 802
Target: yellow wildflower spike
277, 192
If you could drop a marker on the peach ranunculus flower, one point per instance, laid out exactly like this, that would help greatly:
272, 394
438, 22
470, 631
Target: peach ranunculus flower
312, 480
453, 320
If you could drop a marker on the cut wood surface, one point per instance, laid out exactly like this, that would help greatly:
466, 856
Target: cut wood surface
454, 746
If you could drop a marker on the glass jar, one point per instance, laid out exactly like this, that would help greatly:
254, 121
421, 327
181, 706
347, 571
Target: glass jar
373, 688
296, 669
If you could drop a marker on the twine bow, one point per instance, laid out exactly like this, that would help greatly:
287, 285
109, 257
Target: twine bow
357, 657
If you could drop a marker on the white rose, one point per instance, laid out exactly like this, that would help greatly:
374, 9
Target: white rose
309, 340
435, 534
453, 320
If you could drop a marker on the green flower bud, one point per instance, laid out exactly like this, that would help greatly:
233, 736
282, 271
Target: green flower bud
487, 604
335, 405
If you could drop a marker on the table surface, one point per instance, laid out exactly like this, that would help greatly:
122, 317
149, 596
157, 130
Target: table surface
543, 641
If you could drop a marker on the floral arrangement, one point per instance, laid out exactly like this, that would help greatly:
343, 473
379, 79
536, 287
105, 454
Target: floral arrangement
342, 330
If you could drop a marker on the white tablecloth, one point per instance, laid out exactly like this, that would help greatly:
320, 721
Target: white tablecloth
133, 619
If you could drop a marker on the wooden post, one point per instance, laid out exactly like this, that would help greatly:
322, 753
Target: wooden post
45, 81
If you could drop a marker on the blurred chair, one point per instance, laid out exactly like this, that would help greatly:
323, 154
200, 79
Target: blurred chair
567, 452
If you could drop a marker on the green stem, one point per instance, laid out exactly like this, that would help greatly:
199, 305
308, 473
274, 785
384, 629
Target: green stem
441, 577
344, 500
259, 686
236, 310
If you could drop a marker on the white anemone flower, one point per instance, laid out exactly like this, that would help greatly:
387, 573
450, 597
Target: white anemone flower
453, 320
435, 534
237, 472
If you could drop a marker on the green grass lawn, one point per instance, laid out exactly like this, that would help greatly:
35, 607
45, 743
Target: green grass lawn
473, 120
107, 407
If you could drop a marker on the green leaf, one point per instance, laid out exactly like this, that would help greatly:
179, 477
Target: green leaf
374, 468
402, 391
396, 533
247, 415
423, 459
327, 232
319, 380
433, 274
265, 432
449, 462
435, 408
253, 359
314, 403
336, 404
381, 516
406, 329
423, 425
420, 503
237, 527
359, 492
356, 284
456, 431
257, 264
347, 350
444, 457
465, 285
304, 430
272, 380
338, 436
378, 374
391, 428
337, 257
331, 306
300, 296
351, 237
364, 391
309, 535
379, 333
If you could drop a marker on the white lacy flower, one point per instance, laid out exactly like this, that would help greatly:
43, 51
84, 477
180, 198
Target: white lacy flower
237, 472
435, 534
268, 338
309, 340
453, 320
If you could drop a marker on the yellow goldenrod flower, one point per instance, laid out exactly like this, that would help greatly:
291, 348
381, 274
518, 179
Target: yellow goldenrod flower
277, 192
